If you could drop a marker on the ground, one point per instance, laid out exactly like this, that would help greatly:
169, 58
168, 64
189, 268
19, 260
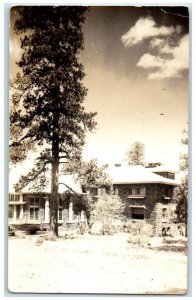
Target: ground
93, 264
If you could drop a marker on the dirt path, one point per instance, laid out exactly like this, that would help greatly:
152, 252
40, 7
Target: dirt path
93, 264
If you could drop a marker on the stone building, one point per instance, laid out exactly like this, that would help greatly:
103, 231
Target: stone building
147, 193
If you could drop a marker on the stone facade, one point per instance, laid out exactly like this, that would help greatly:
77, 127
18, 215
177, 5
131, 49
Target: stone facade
152, 202
155, 200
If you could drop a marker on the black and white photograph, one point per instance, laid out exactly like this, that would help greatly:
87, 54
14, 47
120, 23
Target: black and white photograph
99, 132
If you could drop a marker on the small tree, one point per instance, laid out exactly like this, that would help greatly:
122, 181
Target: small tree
106, 209
135, 155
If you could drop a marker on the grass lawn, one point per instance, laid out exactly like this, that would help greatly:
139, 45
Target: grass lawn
93, 264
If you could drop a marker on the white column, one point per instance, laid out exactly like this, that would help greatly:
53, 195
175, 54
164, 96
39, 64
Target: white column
21, 197
71, 212
82, 216
47, 211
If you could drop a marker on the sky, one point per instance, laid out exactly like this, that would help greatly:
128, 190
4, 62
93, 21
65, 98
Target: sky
136, 63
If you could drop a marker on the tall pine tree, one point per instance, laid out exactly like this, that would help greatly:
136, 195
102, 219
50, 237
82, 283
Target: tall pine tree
47, 102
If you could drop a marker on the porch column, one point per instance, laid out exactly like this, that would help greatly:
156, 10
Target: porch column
71, 212
47, 211
82, 216
21, 211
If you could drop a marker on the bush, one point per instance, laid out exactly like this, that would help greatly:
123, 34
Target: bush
147, 229
133, 227
141, 240
138, 227
32, 229
108, 229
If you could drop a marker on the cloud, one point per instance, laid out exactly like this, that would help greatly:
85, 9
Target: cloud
156, 42
146, 28
167, 66
168, 54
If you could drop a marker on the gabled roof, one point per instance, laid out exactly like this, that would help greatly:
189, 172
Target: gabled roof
137, 175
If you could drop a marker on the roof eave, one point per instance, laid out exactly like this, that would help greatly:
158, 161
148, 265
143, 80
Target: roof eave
146, 182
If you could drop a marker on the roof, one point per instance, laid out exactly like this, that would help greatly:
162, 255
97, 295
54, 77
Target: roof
67, 183
137, 175
161, 169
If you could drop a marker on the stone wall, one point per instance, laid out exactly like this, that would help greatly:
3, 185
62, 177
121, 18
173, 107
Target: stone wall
153, 201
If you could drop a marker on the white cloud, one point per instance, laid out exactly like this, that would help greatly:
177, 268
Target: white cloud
170, 50
150, 61
156, 42
146, 28
167, 67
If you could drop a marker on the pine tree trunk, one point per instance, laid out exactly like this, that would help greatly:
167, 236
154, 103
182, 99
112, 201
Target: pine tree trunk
54, 186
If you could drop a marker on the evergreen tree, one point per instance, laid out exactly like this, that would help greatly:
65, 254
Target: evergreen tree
135, 155
47, 102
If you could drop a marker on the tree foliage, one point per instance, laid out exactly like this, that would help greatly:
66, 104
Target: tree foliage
135, 155
48, 95
181, 195
184, 156
90, 176
106, 209
181, 192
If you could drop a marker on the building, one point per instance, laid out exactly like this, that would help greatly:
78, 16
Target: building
33, 207
147, 193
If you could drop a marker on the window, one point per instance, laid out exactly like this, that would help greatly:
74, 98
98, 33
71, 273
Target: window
137, 213
167, 192
137, 191
164, 214
14, 197
34, 208
171, 175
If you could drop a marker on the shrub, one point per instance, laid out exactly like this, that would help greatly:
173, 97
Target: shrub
141, 240
32, 229
147, 229
133, 227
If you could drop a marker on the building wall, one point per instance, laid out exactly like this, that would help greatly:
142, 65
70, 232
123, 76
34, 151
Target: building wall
41, 216
153, 201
